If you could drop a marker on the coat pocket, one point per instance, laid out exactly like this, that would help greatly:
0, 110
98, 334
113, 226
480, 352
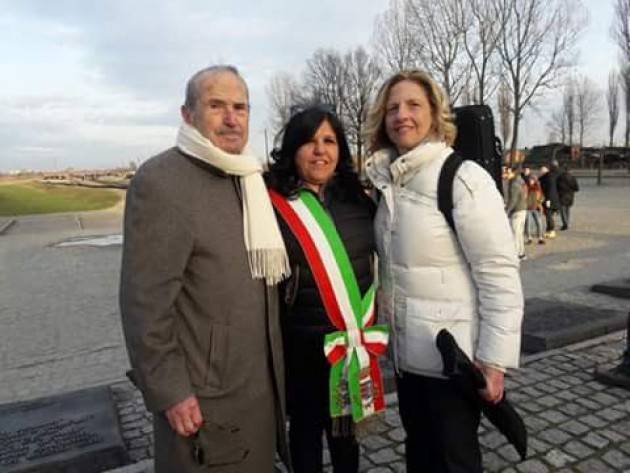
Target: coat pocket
219, 444
217, 355
425, 318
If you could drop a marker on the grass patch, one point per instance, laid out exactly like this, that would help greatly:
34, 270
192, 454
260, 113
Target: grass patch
31, 197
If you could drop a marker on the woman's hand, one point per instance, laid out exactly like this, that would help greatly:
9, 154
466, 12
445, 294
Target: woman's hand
494, 383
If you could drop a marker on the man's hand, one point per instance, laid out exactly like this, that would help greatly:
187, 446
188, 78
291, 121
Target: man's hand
494, 383
185, 416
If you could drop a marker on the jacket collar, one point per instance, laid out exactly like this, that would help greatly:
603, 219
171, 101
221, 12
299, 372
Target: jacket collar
386, 167
203, 164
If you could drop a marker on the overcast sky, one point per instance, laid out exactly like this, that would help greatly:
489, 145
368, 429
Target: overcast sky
97, 83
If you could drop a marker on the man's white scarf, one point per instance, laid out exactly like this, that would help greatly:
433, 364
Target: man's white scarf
265, 248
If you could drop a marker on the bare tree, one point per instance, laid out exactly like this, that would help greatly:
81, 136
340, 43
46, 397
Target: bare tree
394, 41
435, 25
587, 107
504, 107
620, 29
536, 47
325, 79
480, 32
283, 94
612, 100
363, 76
345, 83
468, 95
568, 108
625, 85
557, 125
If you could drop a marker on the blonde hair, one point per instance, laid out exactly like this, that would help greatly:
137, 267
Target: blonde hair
442, 122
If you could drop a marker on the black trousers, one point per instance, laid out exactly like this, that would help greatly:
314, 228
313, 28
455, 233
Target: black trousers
441, 426
550, 221
306, 446
565, 215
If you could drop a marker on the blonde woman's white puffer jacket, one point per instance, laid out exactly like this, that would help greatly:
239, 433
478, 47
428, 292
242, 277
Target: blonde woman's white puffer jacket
431, 279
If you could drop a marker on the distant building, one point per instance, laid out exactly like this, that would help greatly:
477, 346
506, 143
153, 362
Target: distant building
574, 156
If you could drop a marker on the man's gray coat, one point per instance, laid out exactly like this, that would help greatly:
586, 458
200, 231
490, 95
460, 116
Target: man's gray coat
195, 321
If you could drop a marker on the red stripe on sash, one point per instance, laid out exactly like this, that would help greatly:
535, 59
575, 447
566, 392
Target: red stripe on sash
377, 380
337, 354
313, 257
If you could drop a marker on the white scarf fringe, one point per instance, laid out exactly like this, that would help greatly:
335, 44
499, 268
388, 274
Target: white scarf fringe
265, 248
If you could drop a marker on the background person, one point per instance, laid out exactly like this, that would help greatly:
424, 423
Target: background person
198, 300
432, 279
525, 173
516, 208
567, 187
314, 158
504, 181
548, 179
534, 211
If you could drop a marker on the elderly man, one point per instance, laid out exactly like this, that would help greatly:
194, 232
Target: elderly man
202, 255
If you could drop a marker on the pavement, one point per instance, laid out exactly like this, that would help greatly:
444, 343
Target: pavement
574, 423
59, 306
61, 332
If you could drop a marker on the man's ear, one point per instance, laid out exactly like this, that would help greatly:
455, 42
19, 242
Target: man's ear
186, 114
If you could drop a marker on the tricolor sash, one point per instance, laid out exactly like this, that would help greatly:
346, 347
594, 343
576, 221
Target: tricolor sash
356, 385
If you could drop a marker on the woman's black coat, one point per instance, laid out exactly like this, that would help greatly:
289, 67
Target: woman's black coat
304, 319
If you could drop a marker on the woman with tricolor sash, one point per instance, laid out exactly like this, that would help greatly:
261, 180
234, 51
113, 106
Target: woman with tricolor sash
464, 279
330, 340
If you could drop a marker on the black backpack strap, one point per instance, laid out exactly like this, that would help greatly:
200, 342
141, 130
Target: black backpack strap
445, 187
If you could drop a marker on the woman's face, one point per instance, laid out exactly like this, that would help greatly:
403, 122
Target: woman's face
407, 115
316, 160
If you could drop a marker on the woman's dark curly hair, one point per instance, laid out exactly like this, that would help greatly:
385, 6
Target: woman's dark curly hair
282, 175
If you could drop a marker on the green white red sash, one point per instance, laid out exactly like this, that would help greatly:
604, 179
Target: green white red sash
356, 385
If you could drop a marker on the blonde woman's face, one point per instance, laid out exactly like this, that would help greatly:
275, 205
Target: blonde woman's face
407, 116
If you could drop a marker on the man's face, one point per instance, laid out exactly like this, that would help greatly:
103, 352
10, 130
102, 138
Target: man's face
221, 113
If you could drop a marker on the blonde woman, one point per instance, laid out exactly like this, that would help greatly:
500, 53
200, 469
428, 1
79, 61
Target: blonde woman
432, 278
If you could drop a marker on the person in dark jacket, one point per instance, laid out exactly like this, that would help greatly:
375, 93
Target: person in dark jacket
567, 187
548, 179
314, 158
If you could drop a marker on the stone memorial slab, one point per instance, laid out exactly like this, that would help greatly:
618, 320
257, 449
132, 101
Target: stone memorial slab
551, 324
77, 432
616, 288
